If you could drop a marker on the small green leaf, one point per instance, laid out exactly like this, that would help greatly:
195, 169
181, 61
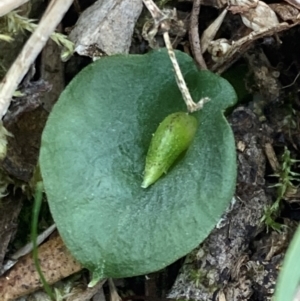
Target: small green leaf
93, 156
289, 278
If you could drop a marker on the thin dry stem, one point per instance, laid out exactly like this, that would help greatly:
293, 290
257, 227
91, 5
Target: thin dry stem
191, 105
7, 6
194, 35
155, 12
161, 20
52, 17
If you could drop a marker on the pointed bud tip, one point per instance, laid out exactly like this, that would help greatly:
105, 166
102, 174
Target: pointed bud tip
145, 184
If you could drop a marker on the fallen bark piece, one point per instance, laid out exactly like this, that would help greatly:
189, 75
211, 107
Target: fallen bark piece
108, 25
56, 263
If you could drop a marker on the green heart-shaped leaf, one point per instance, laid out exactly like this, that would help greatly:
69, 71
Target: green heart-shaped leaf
93, 156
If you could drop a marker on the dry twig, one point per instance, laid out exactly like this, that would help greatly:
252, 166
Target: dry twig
51, 18
194, 35
7, 6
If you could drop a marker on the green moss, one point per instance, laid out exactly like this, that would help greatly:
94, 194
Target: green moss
286, 182
12, 23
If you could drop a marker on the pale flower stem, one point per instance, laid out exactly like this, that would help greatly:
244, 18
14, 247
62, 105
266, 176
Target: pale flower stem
159, 17
178, 75
51, 18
